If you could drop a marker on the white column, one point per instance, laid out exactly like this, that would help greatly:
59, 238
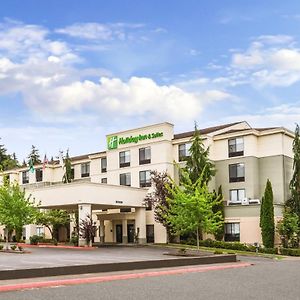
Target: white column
30, 230
84, 210
124, 228
140, 224
102, 231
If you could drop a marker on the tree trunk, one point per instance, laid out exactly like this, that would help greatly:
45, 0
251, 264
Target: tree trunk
197, 238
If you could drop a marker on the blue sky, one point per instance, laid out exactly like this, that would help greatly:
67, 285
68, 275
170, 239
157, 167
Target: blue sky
73, 71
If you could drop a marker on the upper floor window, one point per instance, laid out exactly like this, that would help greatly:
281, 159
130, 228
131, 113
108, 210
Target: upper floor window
25, 177
183, 151
232, 232
145, 155
145, 178
235, 147
124, 158
103, 165
237, 172
39, 175
85, 170
237, 196
125, 179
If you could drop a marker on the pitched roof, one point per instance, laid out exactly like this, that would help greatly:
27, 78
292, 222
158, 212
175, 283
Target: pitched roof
204, 130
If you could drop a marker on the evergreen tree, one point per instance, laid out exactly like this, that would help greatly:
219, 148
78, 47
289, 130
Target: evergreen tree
197, 162
34, 156
7, 161
68, 169
3, 154
294, 202
219, 207
267, 217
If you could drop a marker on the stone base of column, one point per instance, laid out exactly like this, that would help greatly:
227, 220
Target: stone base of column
142, 241
81, 243
125, 239
102, 239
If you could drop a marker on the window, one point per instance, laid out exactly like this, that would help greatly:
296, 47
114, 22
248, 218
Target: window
148, 204
125, 179
184, 151
103, 165
145, 178
235, 147
104, 180
124, 158
72, 174
236, 172
39, 175
145, 155
232, 232
236, 196
40, 231
125, 209
85, 170
25, 177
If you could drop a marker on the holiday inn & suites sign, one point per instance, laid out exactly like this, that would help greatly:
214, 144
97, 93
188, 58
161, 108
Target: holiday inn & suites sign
114, 141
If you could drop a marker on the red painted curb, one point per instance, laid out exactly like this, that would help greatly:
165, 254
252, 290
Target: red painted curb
64, 282
56, 247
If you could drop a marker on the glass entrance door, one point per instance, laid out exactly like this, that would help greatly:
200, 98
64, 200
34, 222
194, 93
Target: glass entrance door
119, 233
130, 233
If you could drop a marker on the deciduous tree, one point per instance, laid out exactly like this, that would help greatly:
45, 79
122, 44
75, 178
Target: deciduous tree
16, 209
157, 198
191, 208
53, 219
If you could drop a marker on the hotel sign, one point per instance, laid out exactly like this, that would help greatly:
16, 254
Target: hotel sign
114, 141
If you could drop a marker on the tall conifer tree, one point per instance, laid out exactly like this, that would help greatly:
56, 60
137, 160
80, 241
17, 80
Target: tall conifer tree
267, 224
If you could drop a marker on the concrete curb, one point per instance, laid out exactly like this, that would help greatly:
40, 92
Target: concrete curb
115, 267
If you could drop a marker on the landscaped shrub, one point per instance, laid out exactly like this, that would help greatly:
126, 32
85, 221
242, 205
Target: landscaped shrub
20, 248
1, 247
13, 247
268, 250
74, 239
218, 252
290, 251
35, 239
225, 245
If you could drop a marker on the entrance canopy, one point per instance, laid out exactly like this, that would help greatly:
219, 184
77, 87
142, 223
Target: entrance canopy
100, 196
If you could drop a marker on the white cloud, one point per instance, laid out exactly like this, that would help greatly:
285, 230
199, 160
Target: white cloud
282, 115
98, 31
270, 60
137, 97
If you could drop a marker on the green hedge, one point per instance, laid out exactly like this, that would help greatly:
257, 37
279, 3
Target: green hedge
232, 246
290, 251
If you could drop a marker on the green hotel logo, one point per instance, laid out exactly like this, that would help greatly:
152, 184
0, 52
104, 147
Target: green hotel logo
114, 141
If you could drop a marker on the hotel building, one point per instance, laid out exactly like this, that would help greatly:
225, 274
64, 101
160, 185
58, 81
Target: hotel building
111, 185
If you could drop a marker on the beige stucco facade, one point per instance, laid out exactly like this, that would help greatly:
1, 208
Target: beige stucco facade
119, 210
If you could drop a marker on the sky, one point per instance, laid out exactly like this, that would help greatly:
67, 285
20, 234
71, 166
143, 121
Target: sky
73, 71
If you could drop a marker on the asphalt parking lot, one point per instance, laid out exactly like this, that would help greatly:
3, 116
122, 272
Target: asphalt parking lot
55, 257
